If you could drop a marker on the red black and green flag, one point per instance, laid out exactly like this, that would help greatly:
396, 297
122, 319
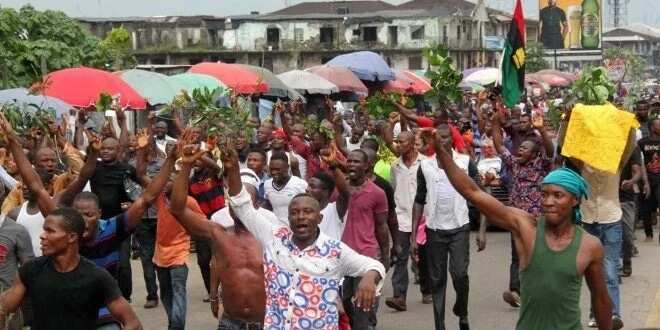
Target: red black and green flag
513, 60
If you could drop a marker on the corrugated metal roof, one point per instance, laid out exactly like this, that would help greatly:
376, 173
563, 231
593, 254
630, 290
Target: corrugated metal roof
333, 7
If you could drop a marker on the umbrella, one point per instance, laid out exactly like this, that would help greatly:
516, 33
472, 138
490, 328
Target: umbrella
82, 86
21, 97
235, 77
567, 75
408, 83
366, 65
153, 86
472, 87
482, 76
553, 80
276, 87
306, 82
191, 81
344, 78
420, 84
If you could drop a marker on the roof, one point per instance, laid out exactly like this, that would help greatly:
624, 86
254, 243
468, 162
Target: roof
332, 7
637, 29
462, 5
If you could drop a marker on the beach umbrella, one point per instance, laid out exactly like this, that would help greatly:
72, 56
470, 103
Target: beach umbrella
22, 98
553, 79
307, 82
366, 65
276, 87
235, 77
82, 86
408, 83
567, 75
482, 76
344, 78
191, 81
153, 86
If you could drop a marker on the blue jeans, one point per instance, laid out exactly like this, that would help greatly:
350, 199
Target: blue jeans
611, 236
173, 294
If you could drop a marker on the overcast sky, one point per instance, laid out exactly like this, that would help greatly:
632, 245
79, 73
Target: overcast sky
644, 11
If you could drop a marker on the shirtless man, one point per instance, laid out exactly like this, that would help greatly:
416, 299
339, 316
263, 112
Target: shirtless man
243, 291
552, 270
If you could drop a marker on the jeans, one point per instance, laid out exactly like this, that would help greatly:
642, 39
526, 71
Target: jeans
514, 271
628, 223
453, 246
173, 294
125, 276
203, 249
611, 236
423, 269
400, 273
145, 234
360, 320
227, 323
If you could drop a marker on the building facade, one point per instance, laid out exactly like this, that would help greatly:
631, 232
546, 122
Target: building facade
640, 39
312, 33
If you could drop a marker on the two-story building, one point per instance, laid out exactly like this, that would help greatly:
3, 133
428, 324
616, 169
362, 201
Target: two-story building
312, 33
640, 39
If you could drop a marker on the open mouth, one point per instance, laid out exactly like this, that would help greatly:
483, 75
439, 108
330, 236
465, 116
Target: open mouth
302, 227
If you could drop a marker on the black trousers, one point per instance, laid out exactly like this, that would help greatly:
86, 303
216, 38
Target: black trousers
125, 274
203, 249
360, 320
514, 271
448, 247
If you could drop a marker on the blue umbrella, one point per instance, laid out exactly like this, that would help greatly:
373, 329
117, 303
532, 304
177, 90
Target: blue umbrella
366, 65
22, 98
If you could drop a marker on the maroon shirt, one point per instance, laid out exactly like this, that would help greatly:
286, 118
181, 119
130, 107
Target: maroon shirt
360, 231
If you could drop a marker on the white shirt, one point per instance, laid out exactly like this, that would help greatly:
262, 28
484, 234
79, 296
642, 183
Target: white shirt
404, 183
353, 146
445, 208
302, 163
34, 223
331, 224
224, 219
161, 144
280, 199
490, 165
296, 279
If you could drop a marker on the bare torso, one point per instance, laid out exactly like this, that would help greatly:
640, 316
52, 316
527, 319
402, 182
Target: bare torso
240, 260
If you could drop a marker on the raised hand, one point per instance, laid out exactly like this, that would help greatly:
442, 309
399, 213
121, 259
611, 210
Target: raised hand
120, 113
143, 138
5, 128
190, 153
537, 120
229, 156
94, 141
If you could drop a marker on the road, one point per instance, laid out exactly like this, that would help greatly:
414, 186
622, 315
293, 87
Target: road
640, 299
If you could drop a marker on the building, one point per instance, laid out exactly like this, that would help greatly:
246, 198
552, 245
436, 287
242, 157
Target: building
640, 39
312, 33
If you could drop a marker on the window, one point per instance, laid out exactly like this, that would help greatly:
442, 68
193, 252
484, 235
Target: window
357, 32
469, 32
370, 34
273, 35
444, 34
417, 32
415, 63
298, 35
458, 32
394, 35
342, 11
327, 35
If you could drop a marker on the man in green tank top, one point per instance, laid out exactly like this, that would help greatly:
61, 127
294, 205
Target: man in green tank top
555, 254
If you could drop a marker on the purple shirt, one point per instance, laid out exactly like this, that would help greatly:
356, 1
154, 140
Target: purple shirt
526, 182
360, 231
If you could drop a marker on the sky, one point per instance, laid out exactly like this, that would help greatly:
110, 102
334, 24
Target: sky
639, 11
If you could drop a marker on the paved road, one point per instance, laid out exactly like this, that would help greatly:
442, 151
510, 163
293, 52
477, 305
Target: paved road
488, 278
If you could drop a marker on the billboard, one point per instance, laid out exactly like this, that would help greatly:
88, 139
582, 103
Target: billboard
570, 24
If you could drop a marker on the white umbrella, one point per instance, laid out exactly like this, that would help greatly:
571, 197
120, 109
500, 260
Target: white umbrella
483, 76
306, 82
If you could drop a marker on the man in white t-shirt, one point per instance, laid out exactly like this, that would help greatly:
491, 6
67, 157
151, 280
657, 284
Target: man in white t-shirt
321, 186
281, 189
225, 217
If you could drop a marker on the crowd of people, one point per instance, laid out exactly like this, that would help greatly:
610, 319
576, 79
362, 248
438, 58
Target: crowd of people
297, 228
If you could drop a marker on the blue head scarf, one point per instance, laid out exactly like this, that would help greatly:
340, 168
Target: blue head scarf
573, 182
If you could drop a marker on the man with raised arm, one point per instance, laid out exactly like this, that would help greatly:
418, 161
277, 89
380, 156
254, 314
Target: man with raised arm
554, 253
237, 255
302, 262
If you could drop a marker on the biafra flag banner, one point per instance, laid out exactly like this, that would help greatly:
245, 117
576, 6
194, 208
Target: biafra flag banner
513, 60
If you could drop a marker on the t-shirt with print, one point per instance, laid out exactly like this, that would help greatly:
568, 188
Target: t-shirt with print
281, 198
360, 231
15, 246
69, 300
651, 150
526, 181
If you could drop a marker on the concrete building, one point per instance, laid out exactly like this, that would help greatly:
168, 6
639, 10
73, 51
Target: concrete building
642, 40
312, 33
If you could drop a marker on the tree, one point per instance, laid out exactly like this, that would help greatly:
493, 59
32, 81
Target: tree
534, 60
33, 43
633, 72
118, 44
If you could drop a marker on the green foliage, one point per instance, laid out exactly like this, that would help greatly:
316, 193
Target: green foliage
444, 77
224, 122
30, 38
593, 87
118, 44
635, 66
313, 125
23, 119
380, 105
534, 60
104, 102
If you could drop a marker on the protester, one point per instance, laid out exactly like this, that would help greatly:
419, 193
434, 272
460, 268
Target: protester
282, 187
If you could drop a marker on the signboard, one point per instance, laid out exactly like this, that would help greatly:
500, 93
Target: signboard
570, 24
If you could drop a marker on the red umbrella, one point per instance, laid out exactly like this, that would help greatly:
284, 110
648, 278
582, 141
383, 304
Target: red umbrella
344, 78
567, 75
235, 77
553, 80
82, 86
406, 82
